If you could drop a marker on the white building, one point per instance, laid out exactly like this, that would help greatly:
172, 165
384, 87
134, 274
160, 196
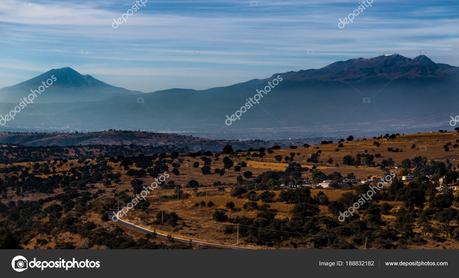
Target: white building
324, 184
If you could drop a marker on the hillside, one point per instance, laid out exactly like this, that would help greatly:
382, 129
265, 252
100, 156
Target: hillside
122, 138
259, 199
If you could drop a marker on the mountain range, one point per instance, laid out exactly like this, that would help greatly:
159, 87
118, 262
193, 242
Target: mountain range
388, 93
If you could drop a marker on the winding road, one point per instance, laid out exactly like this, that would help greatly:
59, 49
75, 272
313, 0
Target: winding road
184, 239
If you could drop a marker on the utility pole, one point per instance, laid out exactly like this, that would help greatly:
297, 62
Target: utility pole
237, 232
366, 240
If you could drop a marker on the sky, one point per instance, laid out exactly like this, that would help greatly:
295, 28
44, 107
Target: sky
202, 44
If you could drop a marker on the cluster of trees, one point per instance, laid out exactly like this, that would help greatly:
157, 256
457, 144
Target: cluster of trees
19, 153
26, 180
360, 160
427, 213
166, 218
49, 217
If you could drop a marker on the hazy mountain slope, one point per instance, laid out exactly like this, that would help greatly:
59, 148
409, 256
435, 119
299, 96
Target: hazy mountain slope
68, 85
358, 96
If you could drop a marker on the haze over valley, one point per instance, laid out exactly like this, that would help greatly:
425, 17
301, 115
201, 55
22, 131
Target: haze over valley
388, 93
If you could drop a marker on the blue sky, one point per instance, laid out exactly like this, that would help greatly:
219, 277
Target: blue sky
201, 44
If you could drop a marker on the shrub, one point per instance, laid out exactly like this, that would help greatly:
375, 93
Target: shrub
220, 215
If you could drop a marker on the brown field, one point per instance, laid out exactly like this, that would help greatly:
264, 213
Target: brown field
196, 221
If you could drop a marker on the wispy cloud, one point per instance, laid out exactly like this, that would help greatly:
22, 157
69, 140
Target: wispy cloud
176, 43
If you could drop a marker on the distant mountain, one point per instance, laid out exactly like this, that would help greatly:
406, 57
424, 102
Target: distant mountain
357, 96
119, 138
66, 85
378, 68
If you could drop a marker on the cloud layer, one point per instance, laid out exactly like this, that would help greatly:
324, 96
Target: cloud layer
201, 44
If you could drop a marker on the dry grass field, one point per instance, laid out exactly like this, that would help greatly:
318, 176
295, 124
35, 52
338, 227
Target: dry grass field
196, 207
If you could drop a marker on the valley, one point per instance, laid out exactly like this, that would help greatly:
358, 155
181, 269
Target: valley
266, 198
